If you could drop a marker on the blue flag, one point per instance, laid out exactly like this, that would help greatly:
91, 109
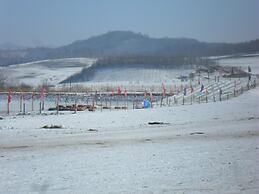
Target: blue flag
202, 87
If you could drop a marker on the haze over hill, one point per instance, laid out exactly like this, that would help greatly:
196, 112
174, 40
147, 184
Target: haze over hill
117, 43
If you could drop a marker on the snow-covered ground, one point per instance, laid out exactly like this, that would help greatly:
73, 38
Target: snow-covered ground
203, 148
242, 62
139, 75
54, 71
47, 71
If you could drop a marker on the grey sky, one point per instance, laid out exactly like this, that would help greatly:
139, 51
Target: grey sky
58, 22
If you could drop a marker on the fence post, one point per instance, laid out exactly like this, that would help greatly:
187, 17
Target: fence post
23, 108
75, 103
8, 108
20, 102
58, 105
220, 93
40, 108
101, 102
43, 105
93, 99
32, 99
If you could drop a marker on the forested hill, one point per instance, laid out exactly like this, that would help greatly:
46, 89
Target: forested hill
118, 43
126, 42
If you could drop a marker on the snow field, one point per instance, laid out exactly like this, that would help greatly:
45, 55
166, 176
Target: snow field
205, 148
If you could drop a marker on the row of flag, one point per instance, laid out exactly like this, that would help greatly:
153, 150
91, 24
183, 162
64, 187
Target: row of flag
181, 88
10, 95
119, 92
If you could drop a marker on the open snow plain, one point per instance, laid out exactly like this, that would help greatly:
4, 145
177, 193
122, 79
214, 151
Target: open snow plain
200, 148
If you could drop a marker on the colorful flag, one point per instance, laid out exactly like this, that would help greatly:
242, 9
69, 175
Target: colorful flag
151, 97
163, 89
10, 96
42, 94
163, 86
125, 93
112, 92
202, 87
119, 91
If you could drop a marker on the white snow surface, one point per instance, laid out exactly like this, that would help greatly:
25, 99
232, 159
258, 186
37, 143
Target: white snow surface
50, 71
54, 71
139, 75
126, 155
243, 62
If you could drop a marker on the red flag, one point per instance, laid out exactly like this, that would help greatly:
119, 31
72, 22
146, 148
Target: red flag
119, 90
9, 96
151, 97
163, 85
42, 94
125, 93
112, 92
163, 89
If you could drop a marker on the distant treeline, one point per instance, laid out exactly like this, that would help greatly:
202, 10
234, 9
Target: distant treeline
138, 61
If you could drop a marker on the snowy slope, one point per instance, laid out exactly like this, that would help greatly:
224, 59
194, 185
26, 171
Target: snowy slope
54, 71
46, 71
243, 63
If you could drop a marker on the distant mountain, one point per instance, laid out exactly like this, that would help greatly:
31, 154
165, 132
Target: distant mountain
8, 46
117, 43
126, 42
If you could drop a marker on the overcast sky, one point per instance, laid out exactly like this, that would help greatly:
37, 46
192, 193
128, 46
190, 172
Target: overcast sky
58, 22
